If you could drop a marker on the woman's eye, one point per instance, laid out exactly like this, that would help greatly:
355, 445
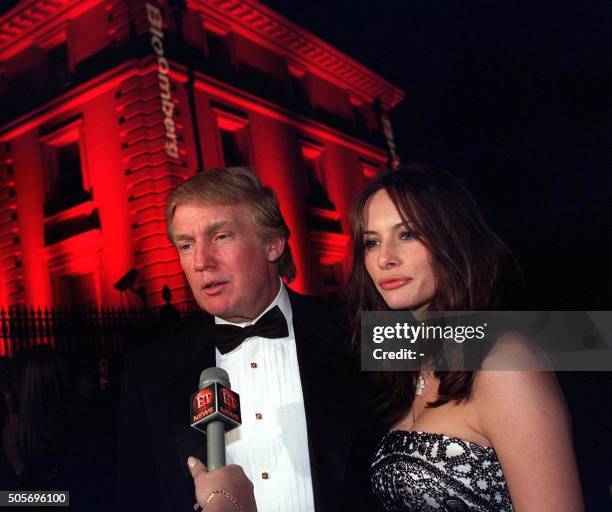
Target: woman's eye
368, 244
407, 235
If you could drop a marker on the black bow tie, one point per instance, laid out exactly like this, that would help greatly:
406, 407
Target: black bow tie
271, 325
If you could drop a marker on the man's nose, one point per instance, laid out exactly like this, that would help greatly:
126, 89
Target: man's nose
204, 259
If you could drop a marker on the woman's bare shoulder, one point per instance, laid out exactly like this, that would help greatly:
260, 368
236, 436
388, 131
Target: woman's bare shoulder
513, 351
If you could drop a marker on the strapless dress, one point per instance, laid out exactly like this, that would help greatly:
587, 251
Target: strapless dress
421, 471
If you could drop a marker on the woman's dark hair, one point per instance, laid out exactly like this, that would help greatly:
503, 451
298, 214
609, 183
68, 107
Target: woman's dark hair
467, 259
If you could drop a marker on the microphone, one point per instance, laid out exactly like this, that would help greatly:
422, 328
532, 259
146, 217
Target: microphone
215, 409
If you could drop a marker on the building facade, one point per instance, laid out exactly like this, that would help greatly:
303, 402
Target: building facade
107, 105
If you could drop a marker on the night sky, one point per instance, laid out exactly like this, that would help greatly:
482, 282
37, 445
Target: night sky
515, 97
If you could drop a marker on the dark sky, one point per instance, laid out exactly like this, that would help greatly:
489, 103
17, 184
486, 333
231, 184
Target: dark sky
515, 97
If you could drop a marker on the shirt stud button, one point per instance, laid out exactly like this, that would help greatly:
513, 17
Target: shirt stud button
253, 365
258, 416
265, 475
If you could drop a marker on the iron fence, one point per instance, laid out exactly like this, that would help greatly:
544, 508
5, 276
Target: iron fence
88, 330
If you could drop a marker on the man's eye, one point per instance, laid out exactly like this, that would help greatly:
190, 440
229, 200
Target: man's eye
185, 246
369, 244
222, 237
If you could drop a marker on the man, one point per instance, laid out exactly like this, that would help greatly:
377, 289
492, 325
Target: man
294, 376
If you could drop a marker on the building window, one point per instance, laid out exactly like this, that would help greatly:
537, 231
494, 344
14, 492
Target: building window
299, 87
359, 118
234, 147
76, 291
66, 181
322, 214
58, 66
234, 138
218, 53
316, 195
333, 279
261, 83
75, 268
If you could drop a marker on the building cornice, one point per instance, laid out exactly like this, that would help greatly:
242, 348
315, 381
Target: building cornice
72, 99
256, 21
319, 131
110, 79
29, 19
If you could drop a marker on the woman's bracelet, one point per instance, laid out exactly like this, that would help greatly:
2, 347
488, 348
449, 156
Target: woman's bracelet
226, 495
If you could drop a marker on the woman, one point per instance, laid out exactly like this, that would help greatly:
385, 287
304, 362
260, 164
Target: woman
487, 440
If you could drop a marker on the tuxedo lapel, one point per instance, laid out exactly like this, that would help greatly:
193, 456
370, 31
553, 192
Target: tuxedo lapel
325, 378
196, 354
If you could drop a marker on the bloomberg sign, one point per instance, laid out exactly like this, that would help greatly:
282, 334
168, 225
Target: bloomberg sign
154, 16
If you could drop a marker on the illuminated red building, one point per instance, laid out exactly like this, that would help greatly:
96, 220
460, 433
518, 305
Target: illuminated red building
109, 104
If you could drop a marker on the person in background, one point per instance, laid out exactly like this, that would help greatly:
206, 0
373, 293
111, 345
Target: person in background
33, 438
456, 440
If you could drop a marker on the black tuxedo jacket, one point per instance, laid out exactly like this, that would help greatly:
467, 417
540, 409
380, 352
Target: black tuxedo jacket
155, 438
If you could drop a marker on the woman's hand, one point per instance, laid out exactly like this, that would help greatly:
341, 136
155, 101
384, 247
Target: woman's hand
226, 489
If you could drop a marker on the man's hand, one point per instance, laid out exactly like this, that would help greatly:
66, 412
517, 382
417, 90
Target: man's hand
237, 488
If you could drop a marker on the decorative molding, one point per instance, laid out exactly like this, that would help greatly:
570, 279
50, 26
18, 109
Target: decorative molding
55, 36
329, 247
11, 269
254, 20
71, 99
311, 149
307, 127
369, 170
229, 121
324, 213
83, 246
30, 19
23, 24
80, 210
64, 134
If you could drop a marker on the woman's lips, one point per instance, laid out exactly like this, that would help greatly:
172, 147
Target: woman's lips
392, 284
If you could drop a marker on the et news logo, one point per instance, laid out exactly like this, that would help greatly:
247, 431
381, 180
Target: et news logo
212, 403
202, 399
229, 398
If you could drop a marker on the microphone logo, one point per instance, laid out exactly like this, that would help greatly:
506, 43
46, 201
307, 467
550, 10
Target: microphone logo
202, 399
215, 402
229, 398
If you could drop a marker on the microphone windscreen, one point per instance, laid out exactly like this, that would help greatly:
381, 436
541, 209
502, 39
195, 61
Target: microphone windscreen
214, 374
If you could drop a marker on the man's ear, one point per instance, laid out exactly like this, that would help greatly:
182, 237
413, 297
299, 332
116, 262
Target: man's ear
275, 247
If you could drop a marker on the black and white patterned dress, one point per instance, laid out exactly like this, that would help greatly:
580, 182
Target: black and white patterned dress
420, 471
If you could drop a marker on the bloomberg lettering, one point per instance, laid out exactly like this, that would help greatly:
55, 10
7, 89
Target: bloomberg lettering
154, 16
